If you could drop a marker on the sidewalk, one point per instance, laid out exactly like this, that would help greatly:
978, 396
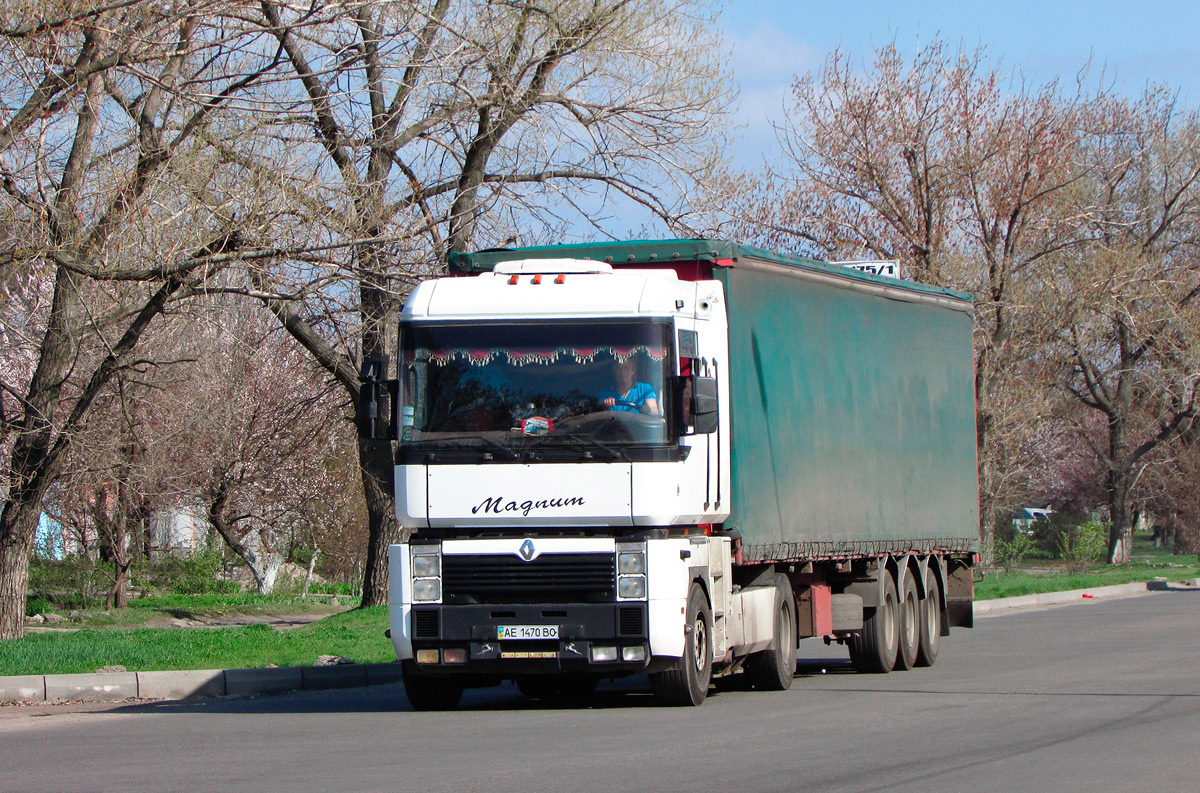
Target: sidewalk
253, 682
193, 683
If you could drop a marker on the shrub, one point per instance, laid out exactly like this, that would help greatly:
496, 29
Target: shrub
1010, 553
1047, 534
72, 583
37, 605
196, 574
1084, 545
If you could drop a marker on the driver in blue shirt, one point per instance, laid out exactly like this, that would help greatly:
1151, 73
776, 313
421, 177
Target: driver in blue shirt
629, 394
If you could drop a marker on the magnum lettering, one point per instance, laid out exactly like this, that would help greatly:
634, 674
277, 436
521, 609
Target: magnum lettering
498, 505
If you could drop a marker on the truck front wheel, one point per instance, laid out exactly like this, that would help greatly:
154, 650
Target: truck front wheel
688, 683
430, 693
774, 668
874, 649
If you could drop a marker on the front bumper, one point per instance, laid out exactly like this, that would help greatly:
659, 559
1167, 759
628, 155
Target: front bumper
581, 626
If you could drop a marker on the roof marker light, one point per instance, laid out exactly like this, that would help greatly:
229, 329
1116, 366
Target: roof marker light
537, 279
512, 281
561, 279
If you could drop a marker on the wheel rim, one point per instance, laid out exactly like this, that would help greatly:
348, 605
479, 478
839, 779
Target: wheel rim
933, 618
911, 616
785, 632
889, 621
700, 644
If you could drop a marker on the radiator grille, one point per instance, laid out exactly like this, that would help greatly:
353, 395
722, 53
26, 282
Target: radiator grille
425, 624
550, 578
630, 622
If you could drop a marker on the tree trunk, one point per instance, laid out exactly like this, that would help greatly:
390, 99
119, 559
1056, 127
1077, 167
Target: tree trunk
1118, 484
308, 574
265, 569
987, 528
378, 477
1120, 534
375, 456
18, 525
983, 422
118, 596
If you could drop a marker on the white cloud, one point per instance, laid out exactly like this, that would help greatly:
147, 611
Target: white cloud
765, 60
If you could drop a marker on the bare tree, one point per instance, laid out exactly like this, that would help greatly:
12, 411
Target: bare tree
412, 130
107, 487
233, 422
260, 425
100, 103
1131, 338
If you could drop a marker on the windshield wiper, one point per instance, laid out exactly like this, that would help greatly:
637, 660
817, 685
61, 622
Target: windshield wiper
489, 442
616, 454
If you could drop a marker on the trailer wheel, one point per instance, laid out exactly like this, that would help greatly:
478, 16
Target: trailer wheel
430, 693
688, 684
773, 669
931, 622
874, 648
909, 622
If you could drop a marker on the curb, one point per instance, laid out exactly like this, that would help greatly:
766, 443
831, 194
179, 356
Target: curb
186, 684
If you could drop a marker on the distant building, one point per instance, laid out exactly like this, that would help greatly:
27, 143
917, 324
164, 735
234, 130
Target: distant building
178, 531
1025, 517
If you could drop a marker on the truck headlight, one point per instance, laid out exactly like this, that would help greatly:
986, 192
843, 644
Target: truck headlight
630, 587
427, 589
630, 563
602, 655
427, 565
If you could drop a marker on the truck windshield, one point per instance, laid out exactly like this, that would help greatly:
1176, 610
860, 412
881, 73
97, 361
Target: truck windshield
598, 389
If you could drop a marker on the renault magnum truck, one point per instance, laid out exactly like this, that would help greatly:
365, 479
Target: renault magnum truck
674, 458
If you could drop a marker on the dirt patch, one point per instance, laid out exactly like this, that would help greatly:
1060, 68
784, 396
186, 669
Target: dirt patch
228, 620
277, 621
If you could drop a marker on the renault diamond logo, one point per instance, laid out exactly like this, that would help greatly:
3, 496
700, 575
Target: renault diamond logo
527, 550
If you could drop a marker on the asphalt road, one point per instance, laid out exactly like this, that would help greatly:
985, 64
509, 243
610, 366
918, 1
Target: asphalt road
1101, 696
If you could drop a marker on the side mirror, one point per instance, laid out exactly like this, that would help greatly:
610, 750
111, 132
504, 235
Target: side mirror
704, 404
373, 413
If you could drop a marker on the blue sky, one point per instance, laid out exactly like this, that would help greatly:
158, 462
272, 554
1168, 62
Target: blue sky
773, 40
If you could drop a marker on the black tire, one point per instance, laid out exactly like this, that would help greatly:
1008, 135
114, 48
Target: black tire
909, 622
430, 693
931, 621
688, 683
773, 669
874, 648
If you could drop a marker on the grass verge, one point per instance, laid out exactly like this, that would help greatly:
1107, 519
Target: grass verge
357, 635
999, 584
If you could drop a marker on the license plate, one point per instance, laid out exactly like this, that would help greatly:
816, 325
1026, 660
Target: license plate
515, 632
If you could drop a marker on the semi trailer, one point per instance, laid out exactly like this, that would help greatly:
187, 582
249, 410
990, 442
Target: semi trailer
674, 458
